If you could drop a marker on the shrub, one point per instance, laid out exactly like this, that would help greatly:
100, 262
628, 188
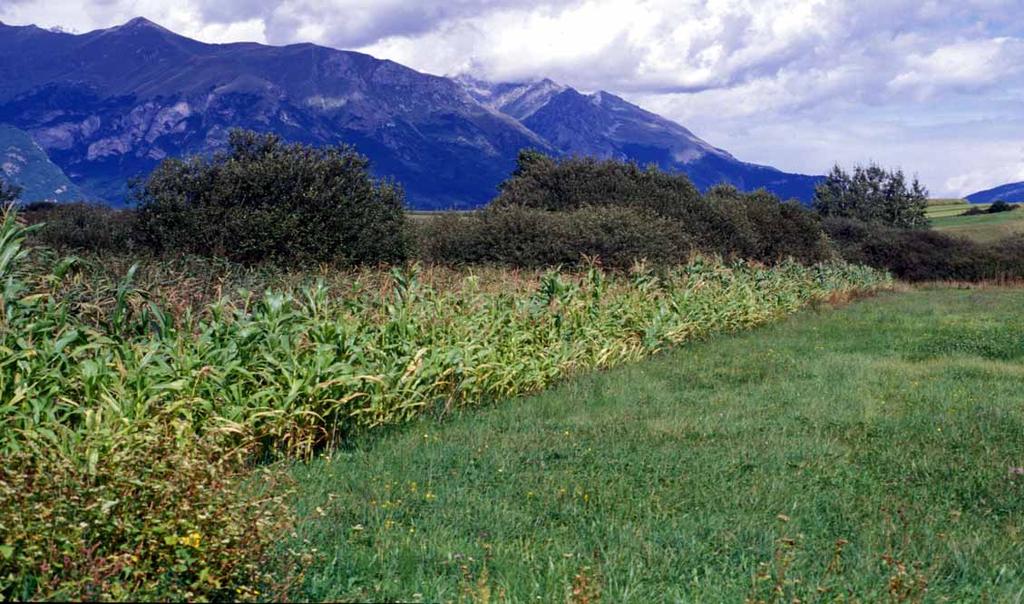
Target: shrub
542, 182
1001, 206
267, 200
150, 516
545, 183
925, 255
1009, 254
82, 226
526, 237
872, 194
557, 185
725, 222
765, 229
995, 208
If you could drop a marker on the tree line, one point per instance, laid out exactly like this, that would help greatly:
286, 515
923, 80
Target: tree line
264, 200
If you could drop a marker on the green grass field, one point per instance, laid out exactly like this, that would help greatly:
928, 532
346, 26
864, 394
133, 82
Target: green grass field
864, 453
946, 216
984, 227
946, 207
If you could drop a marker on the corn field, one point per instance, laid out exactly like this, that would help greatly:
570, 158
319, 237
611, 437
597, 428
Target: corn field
292, 371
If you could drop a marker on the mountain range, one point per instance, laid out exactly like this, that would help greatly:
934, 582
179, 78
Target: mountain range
108, 105
1013, 193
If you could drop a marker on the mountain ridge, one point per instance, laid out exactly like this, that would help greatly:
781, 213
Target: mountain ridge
1011, 192
107, 105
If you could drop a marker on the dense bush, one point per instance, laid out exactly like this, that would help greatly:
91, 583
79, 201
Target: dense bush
139, 515
545, 183
526, 237
556, 211
872, 194
1002, 206
559, 185
81, 226
263, 200
766, 229
925, 255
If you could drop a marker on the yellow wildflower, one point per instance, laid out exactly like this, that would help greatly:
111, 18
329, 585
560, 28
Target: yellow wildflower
193, 539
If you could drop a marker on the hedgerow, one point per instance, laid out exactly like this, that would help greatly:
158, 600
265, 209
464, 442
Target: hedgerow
566, 211
927, 255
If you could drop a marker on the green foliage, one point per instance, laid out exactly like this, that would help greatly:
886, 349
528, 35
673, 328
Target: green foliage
927, 255
873, 194
146, 514
560, 185
545, 183
769, 230
267, 200
561, 210
126, 418
295, 370
995, 208
1002, 206
525, 237
82, 226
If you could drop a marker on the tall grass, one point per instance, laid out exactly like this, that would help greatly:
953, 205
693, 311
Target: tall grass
89, 370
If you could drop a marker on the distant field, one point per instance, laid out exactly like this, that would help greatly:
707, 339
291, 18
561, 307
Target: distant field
949, 201
983, 228
946, 207
866, 454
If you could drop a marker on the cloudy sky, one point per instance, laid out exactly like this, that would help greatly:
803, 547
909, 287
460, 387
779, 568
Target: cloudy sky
935, 87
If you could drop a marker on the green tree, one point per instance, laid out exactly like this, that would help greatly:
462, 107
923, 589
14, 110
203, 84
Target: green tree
767, 229
873, 194
263, 199
545, 183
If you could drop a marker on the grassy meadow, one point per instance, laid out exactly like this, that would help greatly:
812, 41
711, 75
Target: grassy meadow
938, 208
869, 453
984, 228
946, 215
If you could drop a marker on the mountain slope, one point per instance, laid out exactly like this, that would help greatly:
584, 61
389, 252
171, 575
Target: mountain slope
1013, 192
108, 105
25, 164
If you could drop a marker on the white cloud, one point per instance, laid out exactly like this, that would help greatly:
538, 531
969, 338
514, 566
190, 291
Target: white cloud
962, 66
